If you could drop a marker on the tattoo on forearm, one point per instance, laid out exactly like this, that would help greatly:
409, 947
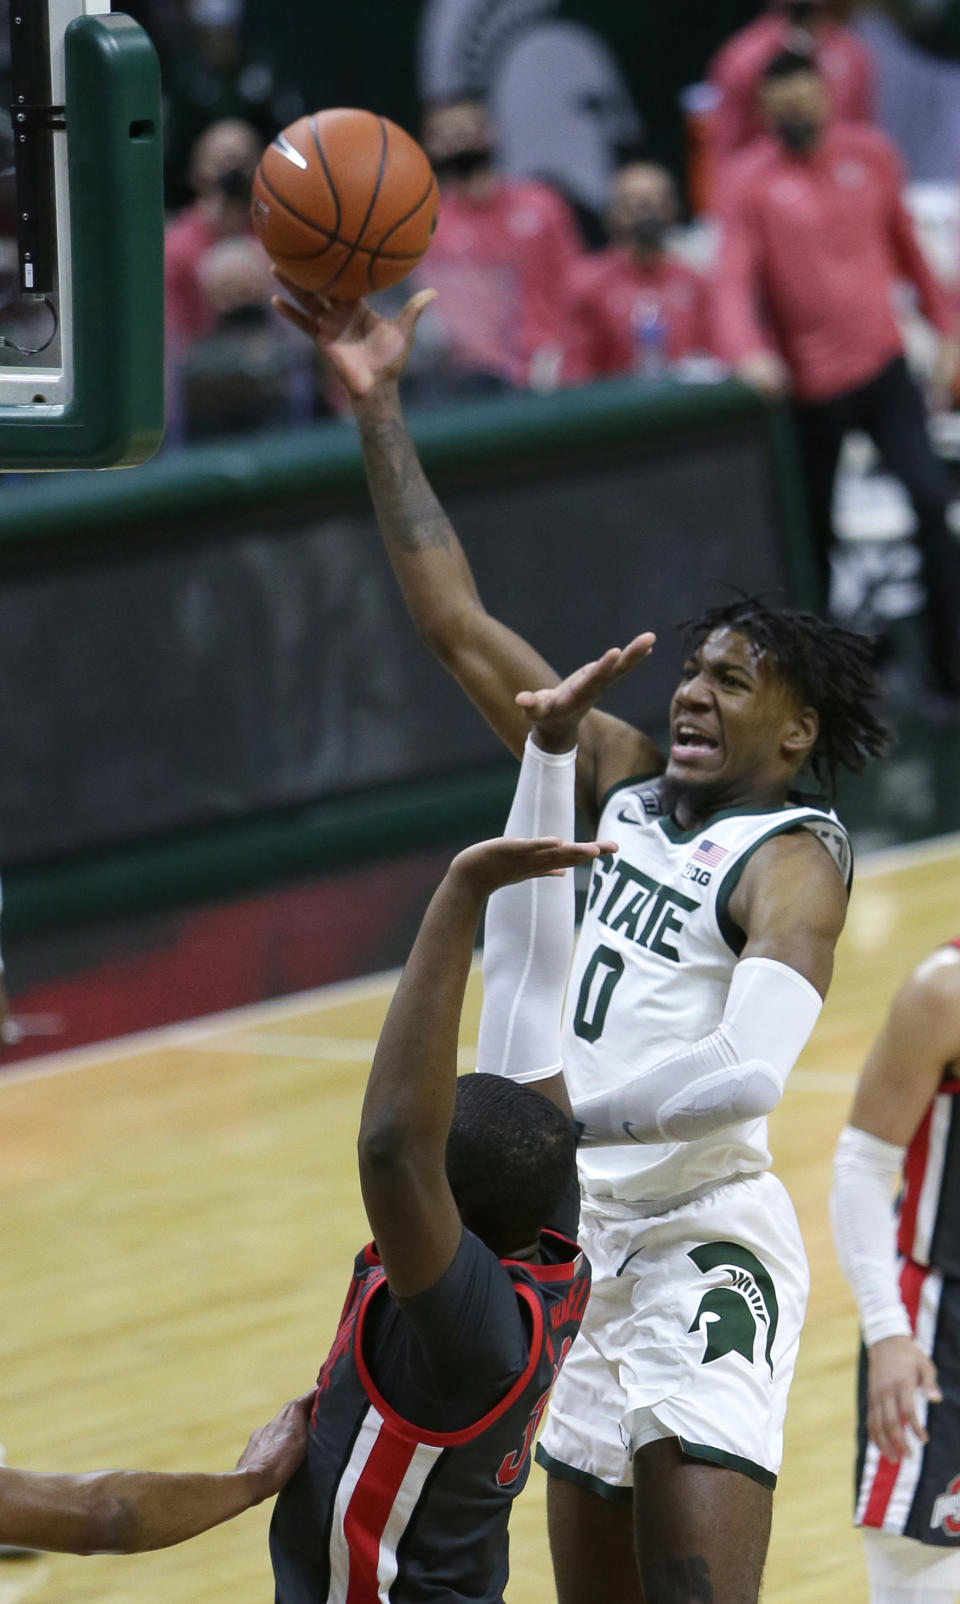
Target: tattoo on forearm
678, 1581
407, 509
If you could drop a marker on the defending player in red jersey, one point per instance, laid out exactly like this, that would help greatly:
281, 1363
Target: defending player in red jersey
904, 1268
459, 1318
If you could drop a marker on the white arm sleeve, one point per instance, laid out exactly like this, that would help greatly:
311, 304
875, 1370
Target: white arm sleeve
736, 1073
528, 933
865, 1171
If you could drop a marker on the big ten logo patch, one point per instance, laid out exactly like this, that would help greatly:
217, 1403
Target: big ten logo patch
513, 1464
738, 1308
946, 1510
700, 877
639, 907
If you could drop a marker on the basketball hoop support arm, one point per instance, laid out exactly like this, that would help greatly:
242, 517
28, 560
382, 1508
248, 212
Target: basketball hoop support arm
113, 130
34, 119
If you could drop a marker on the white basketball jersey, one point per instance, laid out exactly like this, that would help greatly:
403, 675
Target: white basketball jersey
651, 972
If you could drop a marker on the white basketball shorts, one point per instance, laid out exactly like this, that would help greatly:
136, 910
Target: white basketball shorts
691, 1332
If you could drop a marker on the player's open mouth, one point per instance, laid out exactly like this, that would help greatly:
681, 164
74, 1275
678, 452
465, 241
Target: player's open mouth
689, 742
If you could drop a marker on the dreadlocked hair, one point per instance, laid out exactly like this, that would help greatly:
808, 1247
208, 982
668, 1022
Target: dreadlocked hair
830, 668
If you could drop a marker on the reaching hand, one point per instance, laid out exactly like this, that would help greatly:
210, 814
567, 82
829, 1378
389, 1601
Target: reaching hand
504, 861
364, 349
555, 713
276, 1449
898, 1371
943, 382
766, 373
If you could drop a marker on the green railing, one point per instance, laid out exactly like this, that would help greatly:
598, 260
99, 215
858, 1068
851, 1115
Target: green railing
324, 463
63, 518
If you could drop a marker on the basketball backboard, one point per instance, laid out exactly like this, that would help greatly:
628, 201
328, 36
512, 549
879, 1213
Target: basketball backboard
81, 240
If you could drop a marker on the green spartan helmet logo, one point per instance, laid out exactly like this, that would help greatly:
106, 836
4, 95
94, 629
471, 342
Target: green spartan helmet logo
729, 1315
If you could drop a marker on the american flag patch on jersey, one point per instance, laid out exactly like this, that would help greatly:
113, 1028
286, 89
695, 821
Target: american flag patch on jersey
710, 853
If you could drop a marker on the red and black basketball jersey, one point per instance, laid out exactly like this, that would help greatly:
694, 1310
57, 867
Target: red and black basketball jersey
383, 1511
928, 1227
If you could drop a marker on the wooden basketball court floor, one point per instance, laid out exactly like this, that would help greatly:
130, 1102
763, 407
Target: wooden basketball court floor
179, 1215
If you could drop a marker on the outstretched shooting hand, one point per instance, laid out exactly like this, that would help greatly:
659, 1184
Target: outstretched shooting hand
555, 713
364, 350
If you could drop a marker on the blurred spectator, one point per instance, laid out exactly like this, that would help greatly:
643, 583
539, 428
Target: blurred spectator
222, 165
817, 234
500, 260
801, 25
635, 307
215, 76
557, 88
918, 100
250, 372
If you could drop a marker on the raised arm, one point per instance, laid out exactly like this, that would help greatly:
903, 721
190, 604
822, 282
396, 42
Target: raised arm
408, 1107
488, 660
130, 1511
919, 1039
529, 926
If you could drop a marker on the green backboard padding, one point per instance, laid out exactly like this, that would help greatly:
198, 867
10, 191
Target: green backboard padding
114, 144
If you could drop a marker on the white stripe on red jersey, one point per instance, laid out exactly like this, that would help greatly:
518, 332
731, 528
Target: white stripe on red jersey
352, 1471
887, 1489
424, 1458
376, 1497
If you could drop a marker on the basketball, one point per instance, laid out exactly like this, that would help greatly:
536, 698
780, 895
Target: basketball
345, 202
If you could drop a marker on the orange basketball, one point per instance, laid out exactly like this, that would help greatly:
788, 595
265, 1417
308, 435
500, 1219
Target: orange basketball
345, 202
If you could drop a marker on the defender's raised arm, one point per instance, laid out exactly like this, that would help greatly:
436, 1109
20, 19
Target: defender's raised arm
409, 1103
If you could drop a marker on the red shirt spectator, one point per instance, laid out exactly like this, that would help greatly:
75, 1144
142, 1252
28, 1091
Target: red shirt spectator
816, 231
613, 293
188, 314
221, 169
500, 257
500, 266
736, 71
634, 283
819, 239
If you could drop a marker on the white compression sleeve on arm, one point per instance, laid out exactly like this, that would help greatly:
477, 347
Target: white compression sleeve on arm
865, 1171
528, 933
736, 1073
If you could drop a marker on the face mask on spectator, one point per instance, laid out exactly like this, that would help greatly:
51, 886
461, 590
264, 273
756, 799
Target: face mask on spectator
235, 185
798, 134
647, 233
803, 13
464, 163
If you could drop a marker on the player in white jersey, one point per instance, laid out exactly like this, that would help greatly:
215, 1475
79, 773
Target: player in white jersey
700, 970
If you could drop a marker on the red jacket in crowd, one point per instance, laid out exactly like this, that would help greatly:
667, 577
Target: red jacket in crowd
501, 267
817, 242
611, 294
736, 71
188, 314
